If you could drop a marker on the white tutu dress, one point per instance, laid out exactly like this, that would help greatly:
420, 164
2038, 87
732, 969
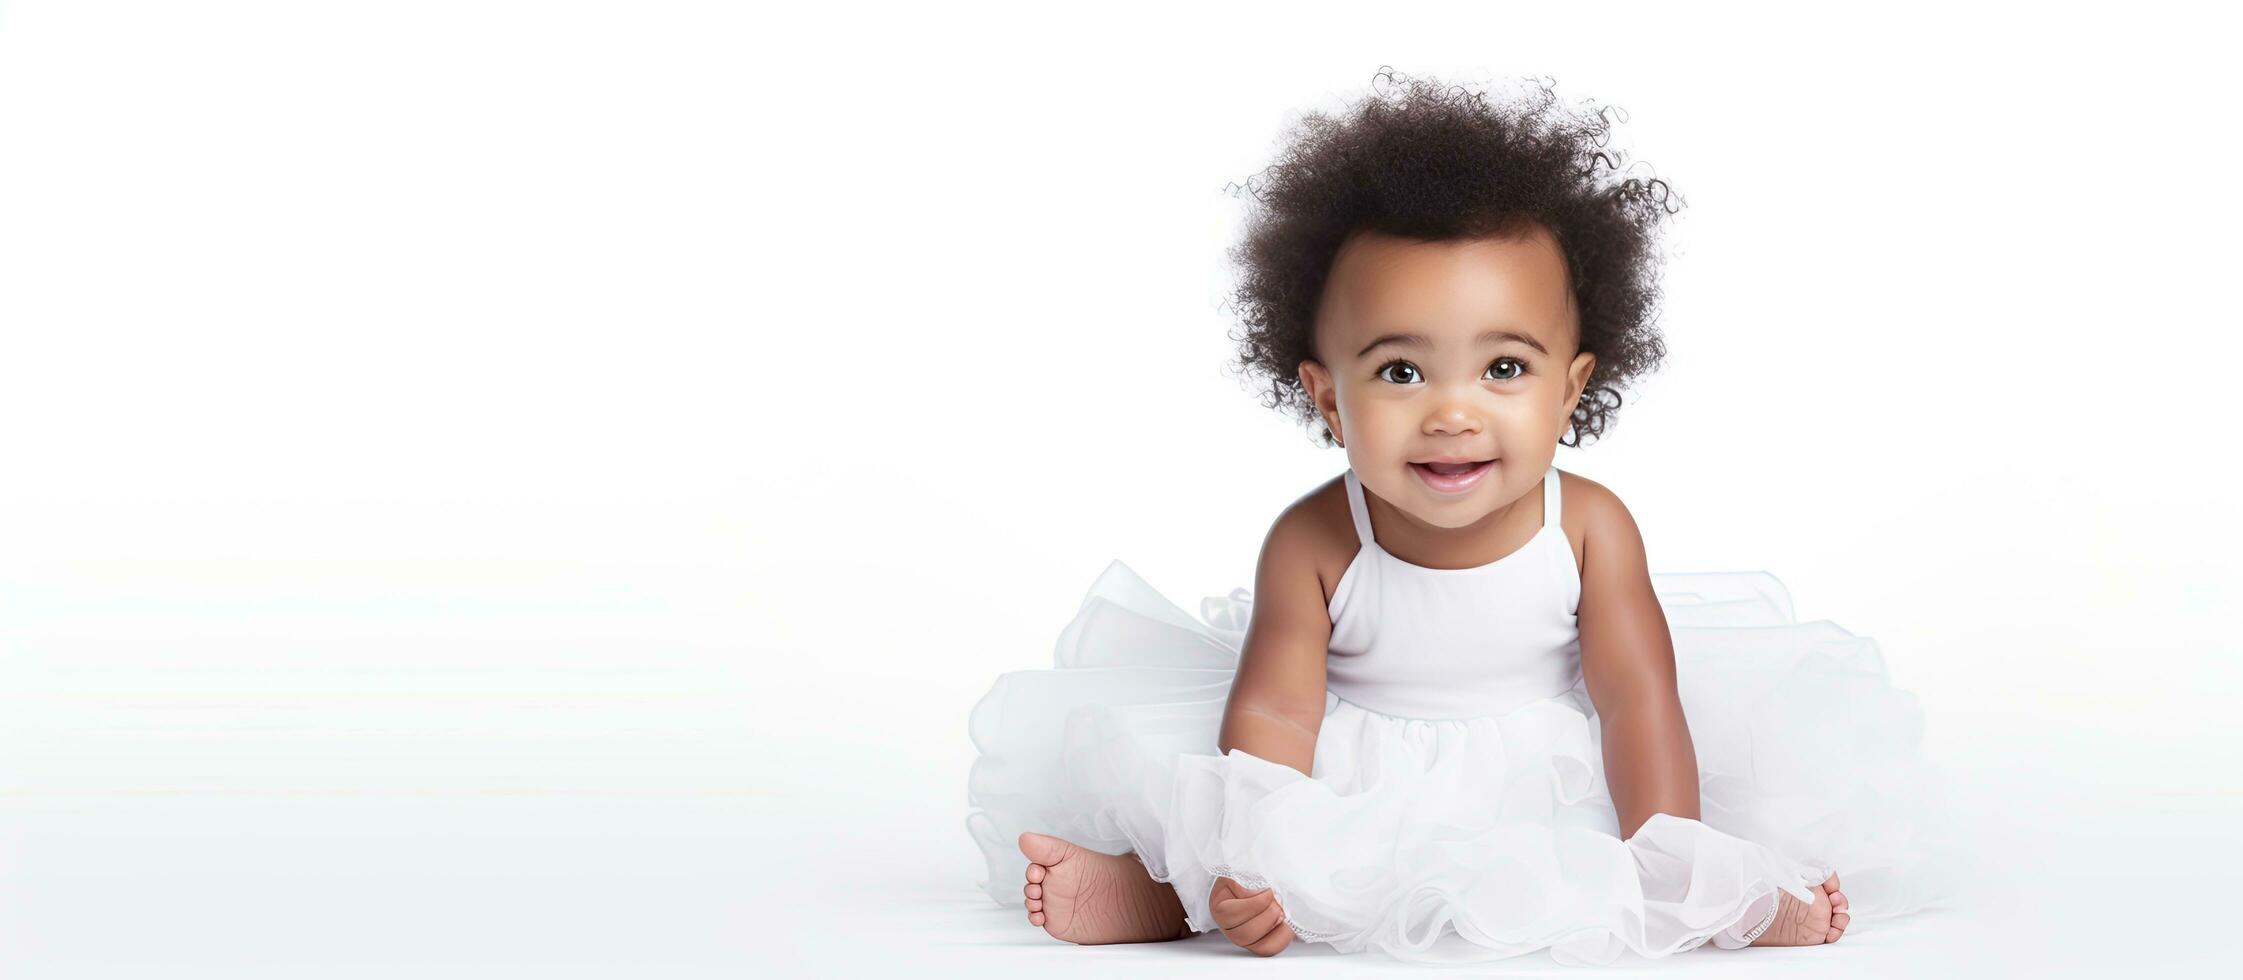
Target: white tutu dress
1457, 809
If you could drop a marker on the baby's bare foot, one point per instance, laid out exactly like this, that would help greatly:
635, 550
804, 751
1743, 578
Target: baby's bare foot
1808, 923
1088, 898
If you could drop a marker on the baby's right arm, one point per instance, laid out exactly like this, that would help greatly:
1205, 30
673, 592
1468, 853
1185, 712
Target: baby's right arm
1276, 701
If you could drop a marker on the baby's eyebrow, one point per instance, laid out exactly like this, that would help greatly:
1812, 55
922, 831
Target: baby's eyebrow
1419, 341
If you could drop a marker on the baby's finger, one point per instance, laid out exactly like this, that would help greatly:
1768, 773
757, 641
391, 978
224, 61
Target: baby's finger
1242, 895
1279, 937
1225, 888
1256, 927
1230, 912
1243, 891
1256, 895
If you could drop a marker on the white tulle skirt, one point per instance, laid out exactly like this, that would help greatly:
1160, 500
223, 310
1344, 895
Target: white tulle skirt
1480, 838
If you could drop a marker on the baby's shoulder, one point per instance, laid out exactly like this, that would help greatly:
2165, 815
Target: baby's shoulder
1317, 530
1588, 509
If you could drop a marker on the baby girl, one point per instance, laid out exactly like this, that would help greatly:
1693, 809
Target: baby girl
1453, 718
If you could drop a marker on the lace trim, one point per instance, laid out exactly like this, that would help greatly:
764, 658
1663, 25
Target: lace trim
1255, 882
1755, 931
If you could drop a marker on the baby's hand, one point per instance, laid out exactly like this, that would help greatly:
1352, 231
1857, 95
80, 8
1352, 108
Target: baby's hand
1251, 920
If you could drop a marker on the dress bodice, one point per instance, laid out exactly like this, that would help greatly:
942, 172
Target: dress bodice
1435, 643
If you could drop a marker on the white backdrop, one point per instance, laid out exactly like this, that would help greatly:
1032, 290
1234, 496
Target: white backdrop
537, 487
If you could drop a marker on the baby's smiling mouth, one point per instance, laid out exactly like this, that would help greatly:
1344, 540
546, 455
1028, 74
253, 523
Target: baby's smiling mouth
1447, 466
1451, 476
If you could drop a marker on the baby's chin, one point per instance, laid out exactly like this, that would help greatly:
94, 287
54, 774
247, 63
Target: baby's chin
1457, 517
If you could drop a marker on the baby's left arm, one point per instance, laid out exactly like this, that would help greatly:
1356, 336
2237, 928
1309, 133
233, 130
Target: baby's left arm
1627, 661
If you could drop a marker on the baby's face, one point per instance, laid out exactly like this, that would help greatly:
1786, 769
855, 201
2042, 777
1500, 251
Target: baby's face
1395, 402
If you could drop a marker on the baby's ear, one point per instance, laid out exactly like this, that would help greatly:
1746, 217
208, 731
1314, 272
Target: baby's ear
1322, 396
1577, 376
1318, 383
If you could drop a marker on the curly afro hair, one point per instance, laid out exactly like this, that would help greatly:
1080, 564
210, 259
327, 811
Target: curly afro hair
1441, 163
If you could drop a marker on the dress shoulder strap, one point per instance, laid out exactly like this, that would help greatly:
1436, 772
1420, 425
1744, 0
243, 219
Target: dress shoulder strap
1356, 509
1550, 497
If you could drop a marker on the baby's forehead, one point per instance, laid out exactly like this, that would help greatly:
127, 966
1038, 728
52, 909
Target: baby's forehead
1448, 291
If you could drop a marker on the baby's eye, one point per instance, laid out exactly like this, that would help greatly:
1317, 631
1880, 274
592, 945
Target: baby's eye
1404, 365
1500, 361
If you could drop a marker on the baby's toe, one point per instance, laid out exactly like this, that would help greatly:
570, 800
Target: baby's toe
1032, 890
1036, 872
1035, 905
1035, 918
